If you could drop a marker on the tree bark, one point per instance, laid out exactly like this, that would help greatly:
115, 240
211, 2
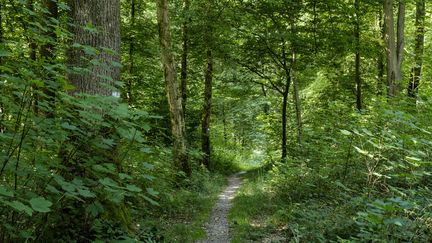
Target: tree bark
389, 38
419, 49
104, 16
400, 40
358, 82
206, 147
131, 53
284, 120
184, 57
297, 102
172, 89
381, 57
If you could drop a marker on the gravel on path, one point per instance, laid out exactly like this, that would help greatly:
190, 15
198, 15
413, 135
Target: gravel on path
217, 228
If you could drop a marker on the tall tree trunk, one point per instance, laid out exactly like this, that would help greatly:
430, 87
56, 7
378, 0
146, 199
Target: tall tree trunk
419, 49
225, 126
47, 52
2, 109
284, 121
105, 16
390, 48
381, 56
172, 90
206, 148
32, 44
131, 53
357, 75
297, 102
285, 93
400, 40
185, 50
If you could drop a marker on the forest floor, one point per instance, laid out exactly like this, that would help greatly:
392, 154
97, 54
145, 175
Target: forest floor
217, 228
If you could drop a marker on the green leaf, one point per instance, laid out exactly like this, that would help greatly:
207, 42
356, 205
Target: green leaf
40, 204
124, 176
68, 126
20, 207
133, 188
4, 53
151, 201
108, 182
86, 193
345, 132
52, 189
5, 192
152, 192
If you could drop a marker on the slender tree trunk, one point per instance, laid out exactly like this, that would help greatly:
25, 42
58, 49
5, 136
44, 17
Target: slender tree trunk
400, 40
131, 53
184, 57
285, 94
297, 102
47, 52
284, 121
105, 16
419, 49
32, 44
2, 109
358, 82
225, 128
206, 147
381, 57
266, 106
390, 48
172, 90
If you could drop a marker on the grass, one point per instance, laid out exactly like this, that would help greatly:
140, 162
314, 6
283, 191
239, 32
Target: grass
182, 212
252, 208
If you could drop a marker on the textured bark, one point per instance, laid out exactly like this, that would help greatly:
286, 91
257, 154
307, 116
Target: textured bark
129, 84
389, 38
297, 102
172, 90
419, 49
381, 57
206, 148
285, 93
400, 40
357, 75
104, 15
184, 57
284, 122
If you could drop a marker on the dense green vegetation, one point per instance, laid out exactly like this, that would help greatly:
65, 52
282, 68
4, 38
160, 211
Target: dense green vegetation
119, 120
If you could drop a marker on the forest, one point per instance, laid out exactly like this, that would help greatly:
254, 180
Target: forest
215, 121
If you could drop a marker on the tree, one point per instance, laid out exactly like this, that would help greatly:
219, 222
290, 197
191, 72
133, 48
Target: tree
416, 70
390, 47
96, 29
357, 56
394, 50
185, 52
172, 90
208, 86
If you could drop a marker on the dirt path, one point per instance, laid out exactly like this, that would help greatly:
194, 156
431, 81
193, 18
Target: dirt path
217, 228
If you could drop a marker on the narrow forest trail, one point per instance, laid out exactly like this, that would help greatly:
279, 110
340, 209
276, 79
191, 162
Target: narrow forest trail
217, 228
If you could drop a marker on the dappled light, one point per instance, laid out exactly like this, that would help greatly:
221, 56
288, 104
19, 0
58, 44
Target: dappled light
215, 121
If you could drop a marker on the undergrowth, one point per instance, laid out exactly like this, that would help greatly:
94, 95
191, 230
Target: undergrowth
373, 185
